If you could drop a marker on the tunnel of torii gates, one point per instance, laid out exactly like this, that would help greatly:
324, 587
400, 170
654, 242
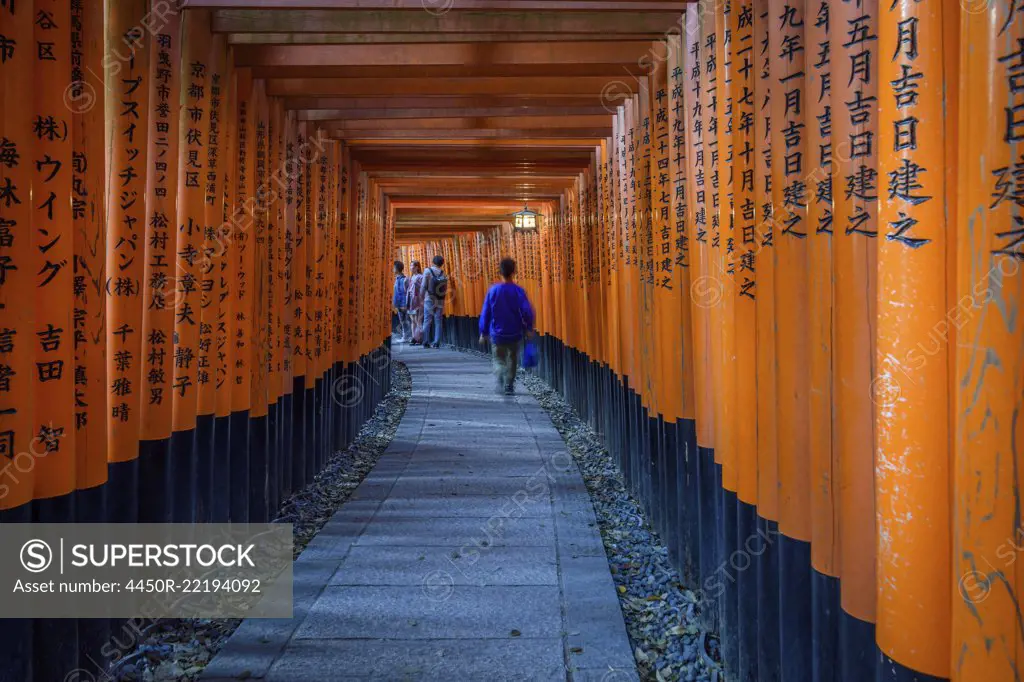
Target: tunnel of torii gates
778, 268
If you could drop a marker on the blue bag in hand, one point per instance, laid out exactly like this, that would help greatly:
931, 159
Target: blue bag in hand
530, 354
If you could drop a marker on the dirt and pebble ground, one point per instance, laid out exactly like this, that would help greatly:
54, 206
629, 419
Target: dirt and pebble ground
179, 649
660, 613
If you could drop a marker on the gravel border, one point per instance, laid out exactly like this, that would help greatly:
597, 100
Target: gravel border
179, 649
661, 613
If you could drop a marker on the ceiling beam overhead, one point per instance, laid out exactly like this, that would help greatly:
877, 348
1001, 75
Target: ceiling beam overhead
594, 135
324, 115
444, 6
531, 20
456, 54
238, 39
445, 71
612, 86
404, 103
476, 123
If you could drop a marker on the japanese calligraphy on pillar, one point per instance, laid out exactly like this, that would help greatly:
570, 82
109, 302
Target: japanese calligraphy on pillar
227, 265
19, 443
912, 455
767, 489
213, 243
703, 281
742, 63
243, 219
126, 214
194, 132
817, 25
51, 161
158, 284
987, 313
789, 192
88, 208
854, 111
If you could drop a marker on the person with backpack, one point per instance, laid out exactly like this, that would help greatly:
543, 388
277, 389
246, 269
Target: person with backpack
415, 304
435, 288
399, 300
507, 318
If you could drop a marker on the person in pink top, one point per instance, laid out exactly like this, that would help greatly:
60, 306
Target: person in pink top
415, 304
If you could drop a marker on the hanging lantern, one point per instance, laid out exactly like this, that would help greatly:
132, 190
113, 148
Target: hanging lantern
525, 220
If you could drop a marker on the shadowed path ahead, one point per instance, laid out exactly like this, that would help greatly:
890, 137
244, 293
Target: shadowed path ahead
470, 552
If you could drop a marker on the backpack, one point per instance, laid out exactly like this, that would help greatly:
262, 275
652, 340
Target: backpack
438, 285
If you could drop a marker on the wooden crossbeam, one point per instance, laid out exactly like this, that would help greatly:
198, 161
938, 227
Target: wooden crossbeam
533, 20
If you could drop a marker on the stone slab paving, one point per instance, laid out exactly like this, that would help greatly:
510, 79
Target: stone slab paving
470, 552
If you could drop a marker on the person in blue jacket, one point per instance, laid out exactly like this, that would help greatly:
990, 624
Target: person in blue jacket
399, 300
507, 318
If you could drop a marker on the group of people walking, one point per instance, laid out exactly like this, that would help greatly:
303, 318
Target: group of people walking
419, 302
506, 319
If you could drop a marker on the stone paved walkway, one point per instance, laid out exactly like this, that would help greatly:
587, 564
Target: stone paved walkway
470, 552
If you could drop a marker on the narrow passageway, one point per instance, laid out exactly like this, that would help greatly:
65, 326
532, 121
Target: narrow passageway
470, 552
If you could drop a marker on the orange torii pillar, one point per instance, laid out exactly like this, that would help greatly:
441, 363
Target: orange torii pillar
241, 350
855, 56
741, 53
158, 280
986, 638
20, 446
912, 473
767, 440
823, 469
208, 458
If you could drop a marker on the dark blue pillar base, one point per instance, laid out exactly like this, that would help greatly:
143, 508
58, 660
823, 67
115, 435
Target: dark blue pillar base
238, 463
204, 448
151, 476
54, 641
183, 476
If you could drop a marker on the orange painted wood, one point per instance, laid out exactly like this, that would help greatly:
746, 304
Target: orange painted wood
243, 234
767, 435
702, 292
854, 258
194, 124
741, 53
987, 638
161, 224
20, 445
789, 193
88, 209
823, 480
52, 239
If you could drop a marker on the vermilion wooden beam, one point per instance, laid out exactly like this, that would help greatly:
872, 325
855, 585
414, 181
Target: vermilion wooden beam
442, 71
458, 54
594, 135
401, 102
445, 5
476, 123
535, 20
434, 38
392, 114
513, 85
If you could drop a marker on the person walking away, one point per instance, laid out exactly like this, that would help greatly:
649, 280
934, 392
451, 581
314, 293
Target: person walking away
507, 318
399, 300
415, 303
435, 288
